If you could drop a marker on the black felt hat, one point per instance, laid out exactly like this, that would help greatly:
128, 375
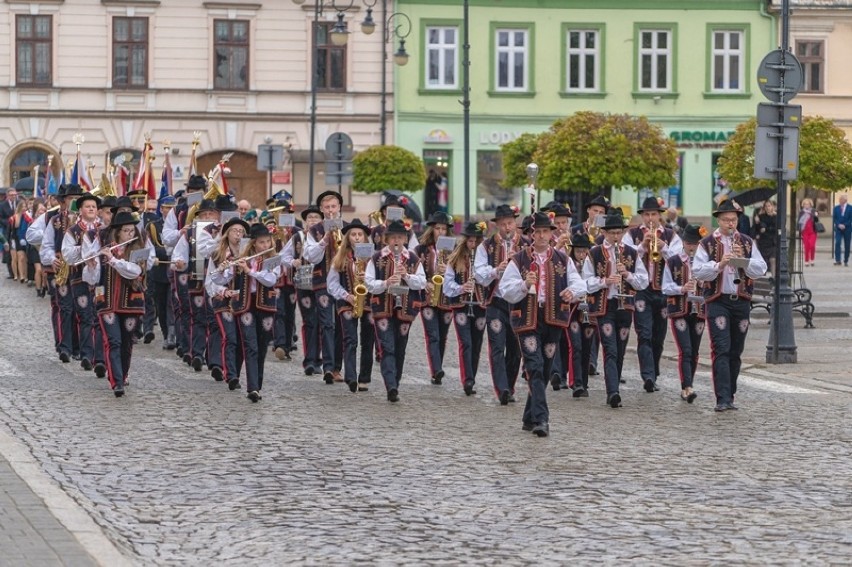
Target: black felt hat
207, 205
440, 217
651, 204
728, 206
599, 201
308, 210
505, 212
691, 234
559, 209
123, 218
196, 182
225, 203
541, 220
235, 221
124, 202
322, 196
88, 197
474, 229
356, 223
69, 190
396, 227
107, 202
581, 241
614, 220
257, 230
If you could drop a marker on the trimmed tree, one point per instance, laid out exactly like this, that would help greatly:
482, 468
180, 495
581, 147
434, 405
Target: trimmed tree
592, 152
379, 168
516, 155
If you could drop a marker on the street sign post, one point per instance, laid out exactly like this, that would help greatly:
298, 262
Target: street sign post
338, 165
269, 158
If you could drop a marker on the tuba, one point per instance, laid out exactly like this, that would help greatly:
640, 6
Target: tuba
104, 188
360, 289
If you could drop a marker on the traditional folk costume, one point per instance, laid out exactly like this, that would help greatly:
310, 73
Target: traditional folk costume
581, 331
560, 373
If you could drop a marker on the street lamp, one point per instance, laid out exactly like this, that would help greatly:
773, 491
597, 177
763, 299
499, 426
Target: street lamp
339, 36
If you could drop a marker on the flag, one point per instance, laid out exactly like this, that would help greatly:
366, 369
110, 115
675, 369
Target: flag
122, 174
50, 184
145, 177
79, 175
165, 180
37, 188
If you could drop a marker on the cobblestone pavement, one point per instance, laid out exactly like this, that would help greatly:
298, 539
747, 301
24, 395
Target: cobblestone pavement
182, 471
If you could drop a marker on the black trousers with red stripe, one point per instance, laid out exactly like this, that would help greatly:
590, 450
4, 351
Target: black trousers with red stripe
687, 332
436, 327
117, 330
310, 329
470, 330
255, 334
231, 355
580, 337
62, 311
613, 332
392, 337
85, 311
350, 327
503, 348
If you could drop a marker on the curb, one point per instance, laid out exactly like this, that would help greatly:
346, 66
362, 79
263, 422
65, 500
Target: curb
70, 514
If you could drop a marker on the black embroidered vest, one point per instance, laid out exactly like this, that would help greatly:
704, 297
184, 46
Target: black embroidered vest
715, 251
480, 293
677, 305
599, 257
321, 270
655, 274
382, 305
75, 273
496, 253
115, 294
524, 315
428, 256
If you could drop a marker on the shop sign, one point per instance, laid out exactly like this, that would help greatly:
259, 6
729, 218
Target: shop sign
700, 138
438, 136
497, 137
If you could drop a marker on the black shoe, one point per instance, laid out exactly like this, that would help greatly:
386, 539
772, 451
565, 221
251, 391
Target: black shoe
169, 344
527, 426
309, 371
179, 351
614, 400
554, 382
578, 392
100, 369
328, 378
353, 386
541, 430
649, 386
86, 364
691, 397
234, 384
622, 381
197, 364
149, 337
64, 357
593, 370
731, 406
720, 407
393, 395
119, 392
254, 396
438, 377
217, 374
511, 399
837, 263
187, 358
504, 398
468, 388
584, 393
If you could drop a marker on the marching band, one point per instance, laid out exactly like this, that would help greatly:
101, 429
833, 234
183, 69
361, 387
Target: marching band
223, 291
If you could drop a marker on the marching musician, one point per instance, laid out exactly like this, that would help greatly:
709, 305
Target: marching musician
227, 251
320, 248
87, 225
285, 314
560, 215
492, 257
581, 330
613, 276
57, 222
379, 221
254, 304
655, 244
392, 267
119, 293
175, 224
437, 319
540, 282
159, 281
727, 295
685, 313
293, 259
345, 274
466, 298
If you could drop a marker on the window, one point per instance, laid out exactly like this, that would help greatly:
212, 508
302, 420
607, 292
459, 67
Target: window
331, 60
34, 49
441, 56
811, 54
583, 61
231, 44
511, 60
129, 52
728, 61
655, 60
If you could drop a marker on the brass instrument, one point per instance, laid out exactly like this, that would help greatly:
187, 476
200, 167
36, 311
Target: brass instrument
211, 194
61, 274
360, 289
398, 290
437, 282
104, 188
694, 299
376, 219
737, 241
656, 256
621, 296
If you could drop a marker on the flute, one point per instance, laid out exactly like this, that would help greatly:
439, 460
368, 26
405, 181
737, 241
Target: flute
102, 250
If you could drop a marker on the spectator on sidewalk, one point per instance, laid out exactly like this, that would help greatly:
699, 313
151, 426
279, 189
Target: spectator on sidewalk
674, 221
842, 221
808, 219
765, 232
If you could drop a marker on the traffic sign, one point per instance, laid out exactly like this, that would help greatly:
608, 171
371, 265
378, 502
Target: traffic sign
339, 145
766, 142
338, 165
768, 114
769, 73
270, 157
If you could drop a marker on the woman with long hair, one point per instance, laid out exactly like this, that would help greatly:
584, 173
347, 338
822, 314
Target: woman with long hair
466, 298
346, 273
18, 242
436, 320
254, 303
33, 257
227, 251
808, 218
119, 292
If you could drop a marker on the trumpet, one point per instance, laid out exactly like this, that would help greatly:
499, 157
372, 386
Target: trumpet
656, 256
102, 250
360, 290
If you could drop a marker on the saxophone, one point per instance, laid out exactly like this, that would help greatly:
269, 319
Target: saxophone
62, 273
437, 282
360, 289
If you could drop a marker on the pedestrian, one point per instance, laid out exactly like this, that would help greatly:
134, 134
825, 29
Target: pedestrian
467, 299
119, 292
613, 274
809, 224
540, 282
436, 313
686, 312
346, 286
764, 230
727, 295
675, 221
33, 254
842, 221
254, 304
391, 268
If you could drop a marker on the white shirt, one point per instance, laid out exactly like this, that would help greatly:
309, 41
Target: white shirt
333, 285
415, 281
171, 234
35, 232
638, 279
708, 270
267, 278
70, 249
668, 250
513, 287
670, 287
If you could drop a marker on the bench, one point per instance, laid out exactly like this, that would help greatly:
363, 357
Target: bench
764, 289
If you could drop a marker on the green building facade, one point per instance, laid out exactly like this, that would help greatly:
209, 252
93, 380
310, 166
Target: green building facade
688, 65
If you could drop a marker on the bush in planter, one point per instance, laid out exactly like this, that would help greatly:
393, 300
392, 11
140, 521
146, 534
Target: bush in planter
380, 168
